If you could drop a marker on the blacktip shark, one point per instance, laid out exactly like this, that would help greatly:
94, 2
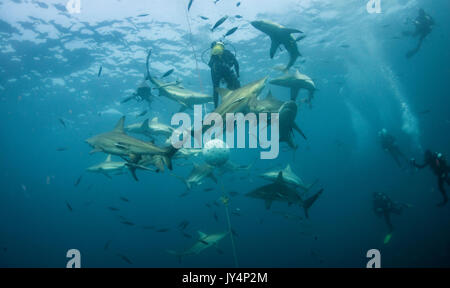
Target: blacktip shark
150, 128
108, 167
288, 113
281, 192
296, 82
117, 142
198, 175
289, 177
186, 98
280, 35
204, 241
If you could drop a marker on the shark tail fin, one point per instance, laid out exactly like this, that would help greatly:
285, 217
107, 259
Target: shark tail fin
308, 202
175, 253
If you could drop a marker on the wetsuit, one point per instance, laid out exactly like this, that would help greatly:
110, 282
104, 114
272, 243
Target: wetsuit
222, 69
384, 206
423, 24
439, 166
388, 144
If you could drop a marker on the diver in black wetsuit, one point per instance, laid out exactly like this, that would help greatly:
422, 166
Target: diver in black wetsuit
423, 24
439, 166
221, 63
384, 206
143, 92
389, 144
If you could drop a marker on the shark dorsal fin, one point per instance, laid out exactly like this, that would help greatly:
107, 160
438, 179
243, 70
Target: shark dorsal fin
144, 125
288, 168
108, 158
155, 119
201, 235
280, 177
223, 92
119, 125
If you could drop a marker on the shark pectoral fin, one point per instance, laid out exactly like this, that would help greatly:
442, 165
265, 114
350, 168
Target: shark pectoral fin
144, 125
273, 47
223, 92
119, 125
280, 177
268, 204
294, 93
308, 202
211, 175
133, 173
106, 174
299, 131
201, 235
188, 185
95, 150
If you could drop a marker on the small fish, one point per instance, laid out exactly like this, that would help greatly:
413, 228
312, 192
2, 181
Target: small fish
231, 31
142, 113
167, 73
127, 223
187, 235
125, 258
113, 208
345, 46
107, 245
238, 17
204, 18
143, 15
238, 4
220, 22
216, 217
69, 207
208, 205
190, 4
183, 194
78, 181
124, 199
208, 189
162, 230
62, 122
100, 71
60, 149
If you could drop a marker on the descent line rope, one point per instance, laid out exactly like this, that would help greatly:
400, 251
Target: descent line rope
193, 50
230, 230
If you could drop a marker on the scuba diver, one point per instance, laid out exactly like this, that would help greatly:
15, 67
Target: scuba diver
143, 92
389, 144
439, 166
384, 206
221, 63
423, 24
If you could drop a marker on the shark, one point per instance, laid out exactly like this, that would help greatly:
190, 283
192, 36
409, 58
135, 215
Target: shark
289, 177
203, 242
280, 35
187, 153
232, 167
281, 192
287, 115
117, 142
143, 92
296, 82
150, 128
186, 98
108, 167
198, 174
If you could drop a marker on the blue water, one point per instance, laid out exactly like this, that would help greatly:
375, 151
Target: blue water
49, 64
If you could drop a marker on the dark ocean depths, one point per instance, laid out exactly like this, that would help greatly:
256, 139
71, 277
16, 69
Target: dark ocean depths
50, 61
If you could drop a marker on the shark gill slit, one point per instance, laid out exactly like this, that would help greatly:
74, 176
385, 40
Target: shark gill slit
230, 230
